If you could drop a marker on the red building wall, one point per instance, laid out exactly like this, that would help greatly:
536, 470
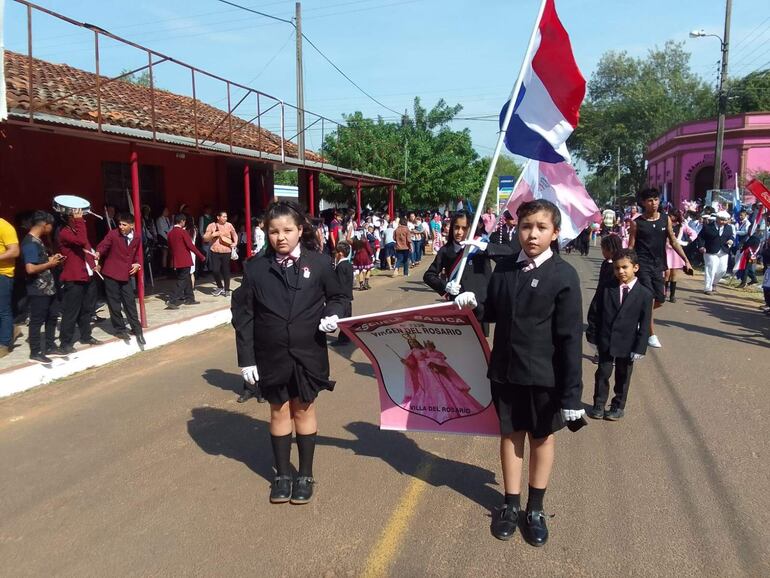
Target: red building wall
35, 166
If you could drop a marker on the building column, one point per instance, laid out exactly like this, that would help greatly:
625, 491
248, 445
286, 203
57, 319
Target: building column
134, 162
247, 209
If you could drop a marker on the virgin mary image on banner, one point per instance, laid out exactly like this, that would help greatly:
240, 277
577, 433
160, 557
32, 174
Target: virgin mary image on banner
431, 365
432, 387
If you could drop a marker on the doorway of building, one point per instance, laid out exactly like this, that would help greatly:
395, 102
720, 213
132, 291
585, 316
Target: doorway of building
703, 181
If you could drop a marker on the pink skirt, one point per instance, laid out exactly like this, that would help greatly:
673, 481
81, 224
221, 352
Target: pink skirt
673, 260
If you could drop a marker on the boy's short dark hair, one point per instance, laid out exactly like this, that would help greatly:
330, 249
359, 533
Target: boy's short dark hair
41, 218
629, 254
613, 244
532, 207
180, 218
649, 193
343, 248
125, 218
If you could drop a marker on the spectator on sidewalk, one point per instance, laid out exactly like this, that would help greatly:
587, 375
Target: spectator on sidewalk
9, 250
180, 247
223, 238
41, 287
402, 239
119, 254
163, 225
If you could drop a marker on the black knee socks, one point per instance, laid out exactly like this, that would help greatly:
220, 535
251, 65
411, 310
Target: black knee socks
672, 289
513, 500
306, 448
535, 499
282, 454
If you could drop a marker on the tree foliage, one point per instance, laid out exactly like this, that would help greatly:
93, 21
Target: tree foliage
631, 101
140, 78
750, 93
437, 164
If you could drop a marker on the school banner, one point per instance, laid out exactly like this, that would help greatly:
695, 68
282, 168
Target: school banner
431, 366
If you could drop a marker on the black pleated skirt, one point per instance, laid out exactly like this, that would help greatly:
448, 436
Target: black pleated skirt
303, 386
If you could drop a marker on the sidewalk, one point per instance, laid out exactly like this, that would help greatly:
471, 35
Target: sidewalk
18, 374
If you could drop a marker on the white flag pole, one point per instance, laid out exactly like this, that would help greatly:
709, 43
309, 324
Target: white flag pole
501, 138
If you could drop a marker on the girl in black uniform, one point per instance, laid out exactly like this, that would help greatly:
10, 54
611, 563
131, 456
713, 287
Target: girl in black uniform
289, 297
477, 271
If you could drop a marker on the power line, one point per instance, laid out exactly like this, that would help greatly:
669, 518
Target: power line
247, 9
318, 50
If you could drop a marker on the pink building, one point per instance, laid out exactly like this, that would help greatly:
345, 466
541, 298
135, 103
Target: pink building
682, 160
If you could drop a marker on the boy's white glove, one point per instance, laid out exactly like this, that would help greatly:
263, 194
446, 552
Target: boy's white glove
328, 324
478, 243
572, 414
466, 300
453, 288
637, 357
250, 374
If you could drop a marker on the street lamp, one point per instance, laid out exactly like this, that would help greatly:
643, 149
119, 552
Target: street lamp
722, 100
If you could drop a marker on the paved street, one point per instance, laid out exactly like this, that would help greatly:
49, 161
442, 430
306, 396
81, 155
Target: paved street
148, 467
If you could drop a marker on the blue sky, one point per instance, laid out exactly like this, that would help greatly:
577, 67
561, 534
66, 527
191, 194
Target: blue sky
466, 52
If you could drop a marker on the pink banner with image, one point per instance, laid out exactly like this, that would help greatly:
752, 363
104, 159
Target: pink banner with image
431, 366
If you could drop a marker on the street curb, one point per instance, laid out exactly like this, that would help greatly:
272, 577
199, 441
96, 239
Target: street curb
23, 377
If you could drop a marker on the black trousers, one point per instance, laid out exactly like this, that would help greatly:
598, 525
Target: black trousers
220, 267
42, 312
184, 289
623, 368
121, 293
77, 299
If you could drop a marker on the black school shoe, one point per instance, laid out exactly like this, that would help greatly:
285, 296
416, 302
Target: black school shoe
596, 412
504, 521
280, 490
302, 492
614, 414
534, 529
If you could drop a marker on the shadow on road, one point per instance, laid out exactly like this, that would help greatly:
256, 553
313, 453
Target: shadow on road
406, 457
241, 437
223, 380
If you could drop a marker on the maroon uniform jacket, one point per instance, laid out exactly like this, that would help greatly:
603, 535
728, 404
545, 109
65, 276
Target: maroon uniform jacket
117, 256
180, 245
73, 244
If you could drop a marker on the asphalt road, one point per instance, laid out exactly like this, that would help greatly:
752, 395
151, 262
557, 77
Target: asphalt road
148, 467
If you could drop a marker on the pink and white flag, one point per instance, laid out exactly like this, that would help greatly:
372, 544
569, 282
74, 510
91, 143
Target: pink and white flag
558, 183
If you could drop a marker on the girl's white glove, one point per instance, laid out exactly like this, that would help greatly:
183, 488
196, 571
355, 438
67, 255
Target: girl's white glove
466, 300
453, 288
250, 374
478, 243
572, 414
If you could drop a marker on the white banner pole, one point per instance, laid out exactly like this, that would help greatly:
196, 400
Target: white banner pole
501, 139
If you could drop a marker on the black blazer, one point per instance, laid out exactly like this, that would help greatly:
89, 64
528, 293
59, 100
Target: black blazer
539, 332
276, 315
710, 238
620, 330
606, 275
344, 272
498, 238
475, 277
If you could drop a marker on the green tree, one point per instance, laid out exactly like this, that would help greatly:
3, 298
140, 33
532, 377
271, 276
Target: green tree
631, 101
286, 178
437, 164
140, 78
750, 93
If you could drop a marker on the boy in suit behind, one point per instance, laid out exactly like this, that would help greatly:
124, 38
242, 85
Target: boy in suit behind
536, 362
619, 327
344, 271
181, 247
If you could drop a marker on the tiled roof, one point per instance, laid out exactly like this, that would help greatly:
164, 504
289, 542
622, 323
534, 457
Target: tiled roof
129, 105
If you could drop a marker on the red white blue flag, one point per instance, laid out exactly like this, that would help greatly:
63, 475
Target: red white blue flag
549, 99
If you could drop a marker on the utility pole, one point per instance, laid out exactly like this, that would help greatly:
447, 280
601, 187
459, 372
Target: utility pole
617, 178
300, 87
722, 100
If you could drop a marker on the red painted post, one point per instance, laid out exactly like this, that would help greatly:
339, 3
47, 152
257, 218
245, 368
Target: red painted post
358, 202
392, 202
311, 192
247, 211
134, 160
